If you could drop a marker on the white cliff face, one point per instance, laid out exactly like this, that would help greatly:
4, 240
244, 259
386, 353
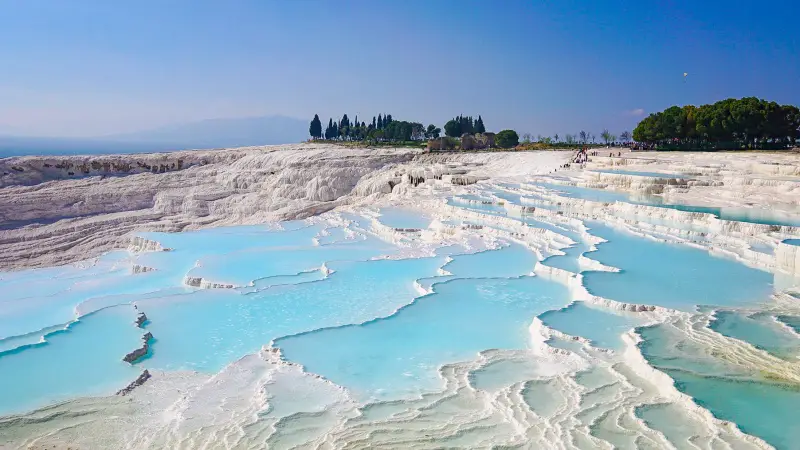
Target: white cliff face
49, 217
787, 258
55, 210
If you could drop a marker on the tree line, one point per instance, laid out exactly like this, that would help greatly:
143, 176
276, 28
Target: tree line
746, 123
382, 128
580, 138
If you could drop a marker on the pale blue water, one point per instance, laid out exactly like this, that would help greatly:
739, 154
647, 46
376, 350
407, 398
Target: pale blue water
760, 329
765, 409
245, 266
568, 261
33, 305
85, 359
790, 321
604, 327
404, 218
594, 195
460, 319
674, 276
511, 261
208, 329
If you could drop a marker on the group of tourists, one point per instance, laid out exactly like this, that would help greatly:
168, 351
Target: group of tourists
582, 156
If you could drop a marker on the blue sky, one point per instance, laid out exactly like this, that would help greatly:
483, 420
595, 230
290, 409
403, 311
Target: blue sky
89, 68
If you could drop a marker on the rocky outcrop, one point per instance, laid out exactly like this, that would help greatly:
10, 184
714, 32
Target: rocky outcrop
486, 140
138, 268
140, 352
477, 141
140, 244
201, 283
441, 144
140, 380
32, 170
141, 319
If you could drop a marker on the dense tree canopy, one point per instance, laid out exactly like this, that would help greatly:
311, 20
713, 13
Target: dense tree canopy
506, 139
459, 125
728, 124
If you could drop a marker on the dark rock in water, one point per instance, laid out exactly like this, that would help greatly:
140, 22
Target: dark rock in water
135, 383
141, 319
141, 351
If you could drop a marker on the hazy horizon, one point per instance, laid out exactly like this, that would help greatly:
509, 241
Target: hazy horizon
89, 69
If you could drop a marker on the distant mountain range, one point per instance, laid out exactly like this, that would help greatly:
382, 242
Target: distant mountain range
212, 133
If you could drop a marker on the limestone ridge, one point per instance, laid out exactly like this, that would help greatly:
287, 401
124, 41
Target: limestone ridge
140, 352
132, 357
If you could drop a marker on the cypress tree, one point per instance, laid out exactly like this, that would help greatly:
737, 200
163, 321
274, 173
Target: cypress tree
335, 131
373, 122
315, 129
479, 127
329, 130
380, 122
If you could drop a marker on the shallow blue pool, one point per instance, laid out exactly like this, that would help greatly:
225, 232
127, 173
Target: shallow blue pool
399, 356
670, 275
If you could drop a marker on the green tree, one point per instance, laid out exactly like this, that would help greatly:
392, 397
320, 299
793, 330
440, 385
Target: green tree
583, 137
380, 122
479, 127
506, 139
452, 128
315, 129
625, 136
731, 124
432, 132
555, 138
606, 136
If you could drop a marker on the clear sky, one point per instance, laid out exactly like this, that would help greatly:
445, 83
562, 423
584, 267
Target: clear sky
89, 68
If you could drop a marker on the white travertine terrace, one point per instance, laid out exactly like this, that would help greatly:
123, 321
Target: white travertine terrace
254, 185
